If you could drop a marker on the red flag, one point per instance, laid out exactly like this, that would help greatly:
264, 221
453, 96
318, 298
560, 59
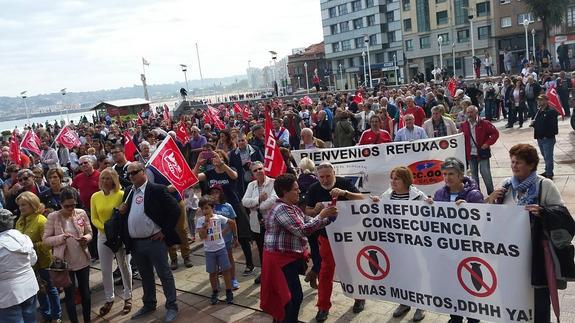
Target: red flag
182, 133
14, 149
130, 148
553, 100
274, 162
207, 118
31, 142
306, 100
401, 124
167, 115
358, 98
452, 87
215, 118
140, 121
68, 138
169, 161
246, 112
237, 109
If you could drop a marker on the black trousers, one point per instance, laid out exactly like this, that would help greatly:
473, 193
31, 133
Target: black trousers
82, 276
291, 273
542, 305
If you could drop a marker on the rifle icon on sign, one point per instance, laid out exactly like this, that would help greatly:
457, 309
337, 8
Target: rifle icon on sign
476, 267
373, 266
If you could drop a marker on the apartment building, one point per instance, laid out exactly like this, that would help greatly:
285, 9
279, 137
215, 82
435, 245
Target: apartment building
452, 30
362, 35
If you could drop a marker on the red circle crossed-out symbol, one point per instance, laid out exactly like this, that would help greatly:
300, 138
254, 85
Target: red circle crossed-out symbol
476, 277
380, 272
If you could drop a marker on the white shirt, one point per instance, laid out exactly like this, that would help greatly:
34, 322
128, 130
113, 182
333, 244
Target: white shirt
17, 279
139, 224
251, 201
215, 239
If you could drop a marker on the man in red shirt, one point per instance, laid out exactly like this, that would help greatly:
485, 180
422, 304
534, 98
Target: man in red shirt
375, 135
86, 183
417, 111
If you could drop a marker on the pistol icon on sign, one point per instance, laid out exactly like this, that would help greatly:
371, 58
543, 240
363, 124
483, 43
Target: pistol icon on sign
476, 267
373, 265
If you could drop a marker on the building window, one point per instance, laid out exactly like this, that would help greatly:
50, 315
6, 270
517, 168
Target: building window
522, 16
444, 39
372, 39
406, 5
461, 11
359, 43
346, 45
483, 9
332, 12
463, 36
407, 24
409, 45
571, 17
440, 1
351, 62
390, 16
422, 8
505, 1
483, 32
335, 47
424, 42
356, 6
371, 20
441, 17
343, 26
390, 56
369, 3
506, 22
358, 23
379, 57
342, 8
333, 29
391, 37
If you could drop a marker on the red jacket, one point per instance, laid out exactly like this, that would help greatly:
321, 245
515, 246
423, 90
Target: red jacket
418, 113
485, 133
369, 137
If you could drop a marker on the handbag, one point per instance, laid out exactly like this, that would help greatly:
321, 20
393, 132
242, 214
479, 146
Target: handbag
481, 153
59, 274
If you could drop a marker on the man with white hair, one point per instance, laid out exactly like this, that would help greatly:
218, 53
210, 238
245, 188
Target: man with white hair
308, 141
410, 132
145, 152
87, 183
415, 110
438, 125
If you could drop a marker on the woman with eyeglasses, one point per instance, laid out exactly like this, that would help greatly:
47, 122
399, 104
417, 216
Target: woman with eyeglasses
259, 199
31, 223
102, 205
68, 232
459, 189
51, 197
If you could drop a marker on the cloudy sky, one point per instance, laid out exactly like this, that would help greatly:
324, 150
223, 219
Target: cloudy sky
91, 45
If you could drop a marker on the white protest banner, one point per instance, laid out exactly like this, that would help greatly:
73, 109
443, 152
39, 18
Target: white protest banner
368, 166
472, 260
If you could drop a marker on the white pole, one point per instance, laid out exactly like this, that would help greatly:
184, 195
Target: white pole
27, 114
341, 76
369, 65
439, 41
396, 70
472, 40
534, 48
526, 25
453, 57
364, 69
306, 77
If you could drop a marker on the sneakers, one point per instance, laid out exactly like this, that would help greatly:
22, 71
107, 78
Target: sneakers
235, 284
136, 275
229, 297
248, 271
174, 264
214, 299
401, 310
418, 315
321, 315
358, 306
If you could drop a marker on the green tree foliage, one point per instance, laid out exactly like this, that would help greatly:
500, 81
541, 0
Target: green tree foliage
551, 13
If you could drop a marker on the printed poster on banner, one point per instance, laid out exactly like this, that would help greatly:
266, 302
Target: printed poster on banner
169, 161
68, 138
472, 260
368, 166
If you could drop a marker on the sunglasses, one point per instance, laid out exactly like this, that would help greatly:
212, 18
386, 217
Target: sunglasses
134, 172
258, 169
23, 179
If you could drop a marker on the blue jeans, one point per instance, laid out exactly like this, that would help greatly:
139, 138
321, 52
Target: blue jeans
490, 109
24, 312
481, 165
546, 146
149, 255
50, 299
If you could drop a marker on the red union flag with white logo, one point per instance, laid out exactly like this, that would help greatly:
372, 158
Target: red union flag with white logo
169, 161
31, 142
273, 161
68, 138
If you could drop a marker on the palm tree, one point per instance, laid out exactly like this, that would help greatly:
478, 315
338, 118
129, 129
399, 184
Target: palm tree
550, 15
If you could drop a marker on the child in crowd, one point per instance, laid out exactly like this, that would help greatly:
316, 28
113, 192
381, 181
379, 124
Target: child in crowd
210, 228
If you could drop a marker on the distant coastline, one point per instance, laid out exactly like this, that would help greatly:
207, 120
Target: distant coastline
42, 114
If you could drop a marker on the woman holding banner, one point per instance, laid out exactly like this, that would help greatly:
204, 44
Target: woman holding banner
402, 188
459, 189
537, 194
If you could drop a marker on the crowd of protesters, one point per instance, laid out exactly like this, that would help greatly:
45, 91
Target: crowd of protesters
67, 202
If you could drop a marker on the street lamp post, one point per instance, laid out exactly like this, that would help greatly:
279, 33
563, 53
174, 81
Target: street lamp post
185, 69
364, 69
366, 41
341, 75
534, 48
395, 70
526, 25
274, 57
440, 42
299, 82
306, 77
453, 57
24, 96
63, 91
